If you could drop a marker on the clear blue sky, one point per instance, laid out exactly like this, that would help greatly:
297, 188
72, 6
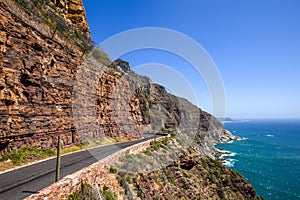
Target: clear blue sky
254, 43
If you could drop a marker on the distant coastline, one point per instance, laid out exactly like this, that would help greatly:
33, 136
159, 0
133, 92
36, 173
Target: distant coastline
225, 119
267, 150
229, 120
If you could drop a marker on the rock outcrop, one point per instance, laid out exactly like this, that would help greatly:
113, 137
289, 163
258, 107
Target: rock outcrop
165, 170
74, 13
40, 53
48, 88
193, 177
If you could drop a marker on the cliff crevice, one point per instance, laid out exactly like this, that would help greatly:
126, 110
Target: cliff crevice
54, 82
50, 86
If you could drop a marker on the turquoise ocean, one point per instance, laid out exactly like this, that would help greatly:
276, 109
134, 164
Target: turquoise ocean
268, 156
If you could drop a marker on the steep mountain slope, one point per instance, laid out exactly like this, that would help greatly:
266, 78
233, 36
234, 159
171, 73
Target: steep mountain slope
192, 176
53, 81
167, 169
48, 88
38, 61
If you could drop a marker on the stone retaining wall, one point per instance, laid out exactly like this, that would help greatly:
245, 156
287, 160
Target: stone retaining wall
93, 175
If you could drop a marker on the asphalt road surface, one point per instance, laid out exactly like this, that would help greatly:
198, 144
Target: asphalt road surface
28, 180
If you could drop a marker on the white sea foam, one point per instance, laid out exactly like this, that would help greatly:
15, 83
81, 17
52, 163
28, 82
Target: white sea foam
242, 138
226, 161
228, 154
231, 154
270, 135
229, 162
224, 151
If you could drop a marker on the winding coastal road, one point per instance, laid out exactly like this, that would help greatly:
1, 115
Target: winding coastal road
24, 181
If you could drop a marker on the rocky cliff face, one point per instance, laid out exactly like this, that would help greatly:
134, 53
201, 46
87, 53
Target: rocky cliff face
40, 70
166, 170
50, 86
47, 87
40, 53
74, 13
193, 177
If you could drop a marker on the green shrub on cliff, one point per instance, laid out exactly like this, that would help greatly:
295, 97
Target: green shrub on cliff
113, 169
87, 192
25, 155
107, 194
159, 143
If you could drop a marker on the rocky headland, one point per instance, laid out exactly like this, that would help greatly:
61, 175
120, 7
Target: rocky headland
54, 81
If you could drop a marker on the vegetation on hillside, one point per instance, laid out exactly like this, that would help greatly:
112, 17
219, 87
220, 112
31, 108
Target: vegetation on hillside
45, 12
27, 155
88, 192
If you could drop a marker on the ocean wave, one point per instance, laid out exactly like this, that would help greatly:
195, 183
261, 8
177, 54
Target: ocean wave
229, 162
226, 161
231, 154
228, 154
224, 151
265, 135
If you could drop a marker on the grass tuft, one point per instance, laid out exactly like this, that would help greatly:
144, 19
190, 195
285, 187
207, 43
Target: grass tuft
26, 155
113, 169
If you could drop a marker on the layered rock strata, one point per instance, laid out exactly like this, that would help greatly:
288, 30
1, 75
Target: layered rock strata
49, 85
